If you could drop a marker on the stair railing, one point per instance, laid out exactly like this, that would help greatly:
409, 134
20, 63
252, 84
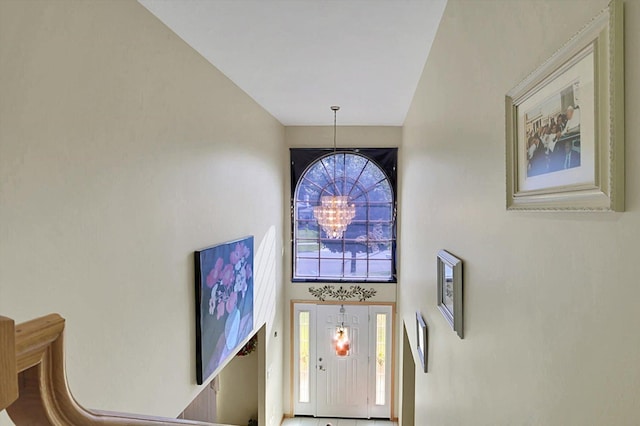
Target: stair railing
33, 382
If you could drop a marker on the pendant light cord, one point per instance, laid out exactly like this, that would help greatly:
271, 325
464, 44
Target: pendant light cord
335, 125
335, 110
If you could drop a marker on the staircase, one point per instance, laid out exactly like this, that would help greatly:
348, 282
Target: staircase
33, 383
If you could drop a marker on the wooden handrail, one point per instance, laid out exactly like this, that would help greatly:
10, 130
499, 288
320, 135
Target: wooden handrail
8, 371
43, 395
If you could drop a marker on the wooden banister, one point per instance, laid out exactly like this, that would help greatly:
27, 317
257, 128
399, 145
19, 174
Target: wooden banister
8, 370
43, 395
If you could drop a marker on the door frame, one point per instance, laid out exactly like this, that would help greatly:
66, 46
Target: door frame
392, 330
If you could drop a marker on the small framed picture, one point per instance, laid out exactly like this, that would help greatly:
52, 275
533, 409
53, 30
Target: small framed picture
565, 125
422, 339
450, 290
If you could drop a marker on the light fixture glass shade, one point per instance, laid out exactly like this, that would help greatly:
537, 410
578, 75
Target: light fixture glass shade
341, 342
334, 214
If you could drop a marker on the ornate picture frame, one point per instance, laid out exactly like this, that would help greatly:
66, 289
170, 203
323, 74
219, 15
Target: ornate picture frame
422, 342
450, 290
565, 124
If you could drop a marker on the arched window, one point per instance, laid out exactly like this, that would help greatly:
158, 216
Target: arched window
366, 251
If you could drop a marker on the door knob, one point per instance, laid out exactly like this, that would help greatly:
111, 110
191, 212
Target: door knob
321, 368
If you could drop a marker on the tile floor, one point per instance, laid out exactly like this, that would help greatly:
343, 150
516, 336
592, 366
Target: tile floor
311, 421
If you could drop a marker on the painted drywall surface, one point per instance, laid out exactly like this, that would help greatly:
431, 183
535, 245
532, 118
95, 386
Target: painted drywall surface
269, 309
406, 413
346, 136
238, 404
321, 137
121, 152
551, 299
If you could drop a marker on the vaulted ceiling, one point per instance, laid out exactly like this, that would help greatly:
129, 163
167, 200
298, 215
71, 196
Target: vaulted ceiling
297, 58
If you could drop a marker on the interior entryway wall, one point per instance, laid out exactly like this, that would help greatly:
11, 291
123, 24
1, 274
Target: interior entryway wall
203, 407
407, 396
238, 394
241, 391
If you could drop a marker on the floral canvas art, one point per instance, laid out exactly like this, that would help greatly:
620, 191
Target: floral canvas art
224, 302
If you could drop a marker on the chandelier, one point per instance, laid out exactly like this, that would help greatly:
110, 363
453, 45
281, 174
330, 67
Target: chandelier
334, 213
341, 342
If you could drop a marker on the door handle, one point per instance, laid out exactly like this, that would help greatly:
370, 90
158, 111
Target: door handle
321, 368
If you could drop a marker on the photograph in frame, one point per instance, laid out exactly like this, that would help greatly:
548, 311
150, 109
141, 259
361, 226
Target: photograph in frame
565, 125
556, 130
552, 132
422, 342
450, 292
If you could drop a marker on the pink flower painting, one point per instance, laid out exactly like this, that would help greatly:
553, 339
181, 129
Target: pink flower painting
224, 293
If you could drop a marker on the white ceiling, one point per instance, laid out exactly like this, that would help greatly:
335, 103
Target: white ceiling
296, 58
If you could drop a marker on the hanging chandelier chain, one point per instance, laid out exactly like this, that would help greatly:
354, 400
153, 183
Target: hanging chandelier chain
334, 213
335, 110
335, 126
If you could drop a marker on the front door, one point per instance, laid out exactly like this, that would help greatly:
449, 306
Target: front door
342, 381
354, 384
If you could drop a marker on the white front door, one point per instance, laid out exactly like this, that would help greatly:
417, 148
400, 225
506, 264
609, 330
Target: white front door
326, 384
342, 381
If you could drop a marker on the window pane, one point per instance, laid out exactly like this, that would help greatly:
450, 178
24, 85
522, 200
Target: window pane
358, 196
379, 268
381, 212
371, 232
303, 359
358, 267
304, 213
318, 175
357, 229
307, 229
380, 231
374, 266
334, 169
309, 190
307, 267
371, 175
330, 248
307, 248
381, 193
355, 165
332, 267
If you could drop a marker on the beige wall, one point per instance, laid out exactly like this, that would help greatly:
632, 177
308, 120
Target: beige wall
551, 299
121, 152
237, 399
346, 136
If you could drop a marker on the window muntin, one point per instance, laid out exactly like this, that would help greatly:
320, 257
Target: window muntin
367, 250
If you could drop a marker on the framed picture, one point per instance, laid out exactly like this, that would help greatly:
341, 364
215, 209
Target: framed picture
565, 125
224, 302
450, 290
423, 343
